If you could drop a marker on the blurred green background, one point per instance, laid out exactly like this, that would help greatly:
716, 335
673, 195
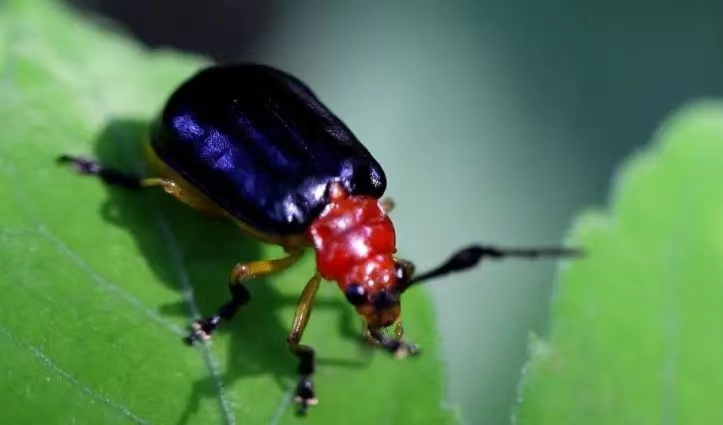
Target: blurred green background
495, 121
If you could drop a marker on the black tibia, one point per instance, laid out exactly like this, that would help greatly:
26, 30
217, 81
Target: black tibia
393, 345
470, 256
239, 294
202, 329
304, 393
108, 175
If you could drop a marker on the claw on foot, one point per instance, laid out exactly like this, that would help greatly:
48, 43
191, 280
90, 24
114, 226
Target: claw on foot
404, 350
202, 330
305, 396
80, 165
305, 403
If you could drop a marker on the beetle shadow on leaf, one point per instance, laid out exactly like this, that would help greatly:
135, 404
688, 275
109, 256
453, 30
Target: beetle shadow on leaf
193, 255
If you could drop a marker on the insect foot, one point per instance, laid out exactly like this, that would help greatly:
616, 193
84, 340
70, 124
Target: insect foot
79, 164
404, 350
304, 395
202, 329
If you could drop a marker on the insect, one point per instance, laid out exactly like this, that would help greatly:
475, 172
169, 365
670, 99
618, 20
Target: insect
254, 145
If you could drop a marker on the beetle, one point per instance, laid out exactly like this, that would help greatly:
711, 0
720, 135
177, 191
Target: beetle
254, 144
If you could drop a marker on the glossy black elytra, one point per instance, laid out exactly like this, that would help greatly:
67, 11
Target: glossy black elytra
255, 145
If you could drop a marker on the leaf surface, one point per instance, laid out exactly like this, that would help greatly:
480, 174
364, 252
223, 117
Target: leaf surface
100, 284
636, 335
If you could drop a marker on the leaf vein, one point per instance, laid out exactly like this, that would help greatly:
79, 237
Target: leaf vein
283, 404
189, 299
64, 249
67, 376
108, 286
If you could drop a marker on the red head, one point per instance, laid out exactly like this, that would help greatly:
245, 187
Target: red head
355, 245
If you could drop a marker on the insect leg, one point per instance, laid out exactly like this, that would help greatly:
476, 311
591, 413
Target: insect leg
108, 175
396, 346
114, 177
304, 394
240, 295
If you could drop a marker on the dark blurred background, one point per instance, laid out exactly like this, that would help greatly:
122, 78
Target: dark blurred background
496, 121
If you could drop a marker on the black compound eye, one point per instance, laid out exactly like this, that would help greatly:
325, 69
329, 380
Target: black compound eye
403, 270
356, 294
400, 273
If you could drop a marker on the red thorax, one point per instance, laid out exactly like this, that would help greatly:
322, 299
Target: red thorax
355, 242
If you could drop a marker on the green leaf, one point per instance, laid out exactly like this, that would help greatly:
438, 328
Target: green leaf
99, 284
637, 335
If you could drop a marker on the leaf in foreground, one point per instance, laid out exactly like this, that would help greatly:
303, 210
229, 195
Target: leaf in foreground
637, 335
100, 284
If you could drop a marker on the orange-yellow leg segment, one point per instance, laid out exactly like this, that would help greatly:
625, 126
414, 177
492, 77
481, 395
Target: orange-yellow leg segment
246, 271
203, 328
304, 394
187, 195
